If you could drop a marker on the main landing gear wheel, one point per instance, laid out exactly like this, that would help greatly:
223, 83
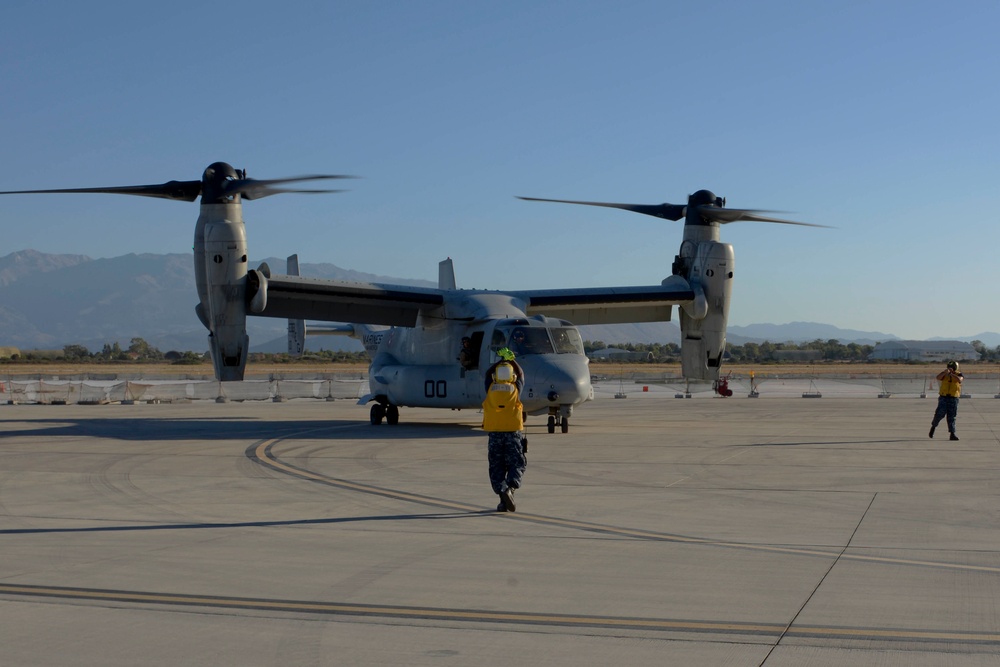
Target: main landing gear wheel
552, 424
391, 415
377, 413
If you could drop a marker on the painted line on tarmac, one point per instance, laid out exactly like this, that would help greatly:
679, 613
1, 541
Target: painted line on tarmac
772, 631
263, 454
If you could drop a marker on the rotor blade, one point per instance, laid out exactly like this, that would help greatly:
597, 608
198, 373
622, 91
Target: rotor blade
665, 211
726, 215
179, 190
278, 191
250, 188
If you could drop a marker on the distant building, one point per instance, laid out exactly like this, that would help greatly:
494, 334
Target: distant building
924, 350
617, 354
798, 355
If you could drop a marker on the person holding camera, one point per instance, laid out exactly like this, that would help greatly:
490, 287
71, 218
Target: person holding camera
949, 390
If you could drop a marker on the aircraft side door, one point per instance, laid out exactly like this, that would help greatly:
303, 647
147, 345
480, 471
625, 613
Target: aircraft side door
477, 347
474, 378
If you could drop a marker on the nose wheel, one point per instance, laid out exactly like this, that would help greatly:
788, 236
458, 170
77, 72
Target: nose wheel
385, 411
562, 422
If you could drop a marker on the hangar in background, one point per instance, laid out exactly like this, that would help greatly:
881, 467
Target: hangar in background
924, 350
617, 354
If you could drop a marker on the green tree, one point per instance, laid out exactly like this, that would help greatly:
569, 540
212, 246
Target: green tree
75, 352
112, 352
143, 350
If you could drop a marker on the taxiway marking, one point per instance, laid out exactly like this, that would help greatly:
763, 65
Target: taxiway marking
772, 630
263, 454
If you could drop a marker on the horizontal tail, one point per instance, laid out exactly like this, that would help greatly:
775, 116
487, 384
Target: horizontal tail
370, 336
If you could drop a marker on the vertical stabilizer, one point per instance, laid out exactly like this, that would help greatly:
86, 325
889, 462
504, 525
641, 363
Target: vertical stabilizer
296, 328
446, 275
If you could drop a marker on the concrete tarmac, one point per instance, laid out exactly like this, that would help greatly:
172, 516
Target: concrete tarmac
774, 531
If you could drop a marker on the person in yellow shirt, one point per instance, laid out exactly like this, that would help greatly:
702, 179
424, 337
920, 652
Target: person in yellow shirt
950, 389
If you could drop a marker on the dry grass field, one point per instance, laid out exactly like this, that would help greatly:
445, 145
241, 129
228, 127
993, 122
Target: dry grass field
839, 370
980, 370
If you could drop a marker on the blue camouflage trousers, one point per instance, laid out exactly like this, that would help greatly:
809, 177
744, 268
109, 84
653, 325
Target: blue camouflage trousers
947, 407
506, 458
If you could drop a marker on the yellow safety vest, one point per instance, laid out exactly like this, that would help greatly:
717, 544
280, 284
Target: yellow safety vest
950, 386
502, 409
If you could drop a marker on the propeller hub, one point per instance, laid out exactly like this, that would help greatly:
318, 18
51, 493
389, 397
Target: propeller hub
214, 183
705, 198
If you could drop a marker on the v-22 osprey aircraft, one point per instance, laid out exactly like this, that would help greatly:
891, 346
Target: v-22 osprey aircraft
414, 360
423, 366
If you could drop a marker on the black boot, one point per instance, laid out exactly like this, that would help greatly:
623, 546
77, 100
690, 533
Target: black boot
931, 434
507, 499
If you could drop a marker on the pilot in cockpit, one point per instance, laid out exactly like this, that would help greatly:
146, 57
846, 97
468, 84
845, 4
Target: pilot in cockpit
517, 342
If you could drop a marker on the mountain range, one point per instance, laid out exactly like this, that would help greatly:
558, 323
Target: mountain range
49, 301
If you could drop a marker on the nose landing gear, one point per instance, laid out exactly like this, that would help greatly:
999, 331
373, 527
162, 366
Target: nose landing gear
385, 411
560, 420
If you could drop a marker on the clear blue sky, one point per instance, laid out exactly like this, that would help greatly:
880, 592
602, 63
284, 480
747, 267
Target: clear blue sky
877, 118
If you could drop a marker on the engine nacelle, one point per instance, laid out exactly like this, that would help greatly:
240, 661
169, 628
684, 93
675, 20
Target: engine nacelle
220, 265
703, 323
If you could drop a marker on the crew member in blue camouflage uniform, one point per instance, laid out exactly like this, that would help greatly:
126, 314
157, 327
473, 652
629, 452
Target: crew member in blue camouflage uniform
950, 390
503, 419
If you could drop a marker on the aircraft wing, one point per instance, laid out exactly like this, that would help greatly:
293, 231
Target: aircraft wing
297, 298
609, 305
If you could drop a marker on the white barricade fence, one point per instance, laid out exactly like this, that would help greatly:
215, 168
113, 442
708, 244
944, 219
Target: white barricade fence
353, 385
777, 383
57, 392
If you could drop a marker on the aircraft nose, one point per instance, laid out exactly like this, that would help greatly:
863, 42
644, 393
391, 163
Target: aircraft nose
558, 379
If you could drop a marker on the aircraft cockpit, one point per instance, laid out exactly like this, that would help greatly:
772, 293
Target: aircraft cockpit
524, 337
556, 369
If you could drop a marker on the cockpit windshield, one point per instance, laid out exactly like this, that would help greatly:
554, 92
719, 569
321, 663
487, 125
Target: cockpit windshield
539, 340
567, 340
529, 340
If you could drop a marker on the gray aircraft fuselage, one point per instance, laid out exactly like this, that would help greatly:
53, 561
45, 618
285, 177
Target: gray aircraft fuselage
419, 366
